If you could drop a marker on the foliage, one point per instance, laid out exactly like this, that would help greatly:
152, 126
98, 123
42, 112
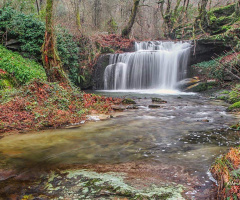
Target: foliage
227, 172
24, 28
23, 70
69, 54
6, 80
235, 106
210, 70
29, 31
39, 105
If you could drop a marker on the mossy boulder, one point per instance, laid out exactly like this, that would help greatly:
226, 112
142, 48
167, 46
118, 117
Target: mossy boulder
128, 101
158, 100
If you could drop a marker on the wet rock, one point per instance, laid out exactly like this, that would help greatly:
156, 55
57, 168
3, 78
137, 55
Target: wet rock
154, 106
128, 101
118, 108
132, 107
158, 100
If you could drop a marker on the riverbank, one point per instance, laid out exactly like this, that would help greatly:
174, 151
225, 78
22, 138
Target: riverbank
42, 105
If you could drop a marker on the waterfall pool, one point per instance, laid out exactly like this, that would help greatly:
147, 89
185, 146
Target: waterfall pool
162, 153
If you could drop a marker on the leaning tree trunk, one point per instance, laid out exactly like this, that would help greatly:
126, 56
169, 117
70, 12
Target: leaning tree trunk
51, 61
127, 30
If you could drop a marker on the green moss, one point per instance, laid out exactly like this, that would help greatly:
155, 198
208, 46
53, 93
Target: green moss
234, 95
90, 184
224, 10
107, 50
128, 101
225, 92
235, 106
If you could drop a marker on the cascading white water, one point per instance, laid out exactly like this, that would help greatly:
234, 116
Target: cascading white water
153, 65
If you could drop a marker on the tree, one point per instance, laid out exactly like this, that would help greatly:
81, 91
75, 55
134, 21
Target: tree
127, 30
173, 17
202, 17
51, 61
97, 7
76, 7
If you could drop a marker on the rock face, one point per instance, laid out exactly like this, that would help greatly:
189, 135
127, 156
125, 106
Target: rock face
98, 73
205, 49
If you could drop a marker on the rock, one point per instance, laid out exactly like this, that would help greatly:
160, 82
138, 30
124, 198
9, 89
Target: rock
128, 101
118, 108
158, 100
154, 106
98, 71
132, 107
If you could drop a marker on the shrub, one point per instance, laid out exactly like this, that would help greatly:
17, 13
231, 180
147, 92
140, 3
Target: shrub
24, 28
29, 31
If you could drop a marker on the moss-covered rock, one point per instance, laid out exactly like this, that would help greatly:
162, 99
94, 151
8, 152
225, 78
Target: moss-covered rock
82, 184
128, 101
158, 100
234, 107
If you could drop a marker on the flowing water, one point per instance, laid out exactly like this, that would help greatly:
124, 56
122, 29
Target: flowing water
153, 65
174, 143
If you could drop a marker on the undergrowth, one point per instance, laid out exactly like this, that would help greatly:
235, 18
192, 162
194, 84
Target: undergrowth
23, 70
39, 105
227, 172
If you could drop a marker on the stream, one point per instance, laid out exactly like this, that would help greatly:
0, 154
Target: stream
161, 153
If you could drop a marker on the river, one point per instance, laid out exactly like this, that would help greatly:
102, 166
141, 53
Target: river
170, 147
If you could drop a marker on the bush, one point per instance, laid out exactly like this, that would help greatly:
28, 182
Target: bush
26, 29
210, 69
29, 31
68, 52
22, 69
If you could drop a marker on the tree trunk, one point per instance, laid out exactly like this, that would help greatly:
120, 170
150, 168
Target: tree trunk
127, 30
78, 17
51, 61
237, 8
37, 6
201, 19
97, 14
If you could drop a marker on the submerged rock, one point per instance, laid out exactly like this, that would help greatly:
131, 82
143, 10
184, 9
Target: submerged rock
154, 106
128, 101
132, 107
158, 100
118, 108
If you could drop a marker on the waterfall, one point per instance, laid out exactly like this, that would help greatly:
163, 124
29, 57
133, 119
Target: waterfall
153, 65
